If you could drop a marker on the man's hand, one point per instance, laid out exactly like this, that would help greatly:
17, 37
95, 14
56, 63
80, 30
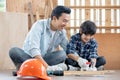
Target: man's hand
82, 62
42, 60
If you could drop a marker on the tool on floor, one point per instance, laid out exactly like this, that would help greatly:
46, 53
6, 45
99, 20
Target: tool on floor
14, 73
92, 63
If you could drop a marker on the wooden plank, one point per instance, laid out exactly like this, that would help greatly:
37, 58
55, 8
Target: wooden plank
75, 14
54, 3
94, 11
108, 28
108, 2
67, 3
30, 12
115, 16
96, 7
21, 5
85, 73
13, 29
100, 18
88, 72
108, 15
48, 8
87, 11
38, 13
99, 27
80, 13
51, 4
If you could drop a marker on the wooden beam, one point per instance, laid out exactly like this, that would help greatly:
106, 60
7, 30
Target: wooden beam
88, 72
96, 7
30, 12
108, 15
68, 73
67, 3
87, 11
99, 27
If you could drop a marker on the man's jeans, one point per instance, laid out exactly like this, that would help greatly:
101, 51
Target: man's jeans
18, 56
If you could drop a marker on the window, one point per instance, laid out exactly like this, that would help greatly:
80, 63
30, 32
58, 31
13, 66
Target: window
2, 5
105, 13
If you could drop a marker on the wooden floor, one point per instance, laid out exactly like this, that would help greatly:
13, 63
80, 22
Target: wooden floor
7, 75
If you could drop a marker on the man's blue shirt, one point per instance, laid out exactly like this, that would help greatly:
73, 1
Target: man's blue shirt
38, 39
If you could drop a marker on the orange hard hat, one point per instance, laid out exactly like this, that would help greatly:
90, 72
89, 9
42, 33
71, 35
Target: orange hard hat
33, 68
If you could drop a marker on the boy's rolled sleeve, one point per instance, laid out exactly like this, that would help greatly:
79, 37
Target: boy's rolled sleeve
93, 51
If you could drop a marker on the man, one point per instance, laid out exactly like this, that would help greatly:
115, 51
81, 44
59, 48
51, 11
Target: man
82, 49
43, 39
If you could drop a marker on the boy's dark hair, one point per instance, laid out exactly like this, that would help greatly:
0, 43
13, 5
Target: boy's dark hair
88, 27
57, 11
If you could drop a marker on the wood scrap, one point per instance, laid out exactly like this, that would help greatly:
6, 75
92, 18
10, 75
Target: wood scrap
87, 72
66, 73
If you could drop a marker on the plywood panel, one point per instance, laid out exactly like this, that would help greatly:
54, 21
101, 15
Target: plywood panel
109, 46
13, 29
22, 5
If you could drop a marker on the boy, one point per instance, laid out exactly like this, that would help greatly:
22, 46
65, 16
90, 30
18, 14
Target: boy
82, 49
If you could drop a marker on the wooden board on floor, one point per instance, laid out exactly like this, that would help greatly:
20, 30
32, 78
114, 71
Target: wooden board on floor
13, 29
6, 75
88, 72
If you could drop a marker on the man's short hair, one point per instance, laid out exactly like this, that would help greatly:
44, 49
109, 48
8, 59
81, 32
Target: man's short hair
57, 11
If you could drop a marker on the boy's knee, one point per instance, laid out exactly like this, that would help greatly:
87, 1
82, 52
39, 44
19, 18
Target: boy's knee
102, 60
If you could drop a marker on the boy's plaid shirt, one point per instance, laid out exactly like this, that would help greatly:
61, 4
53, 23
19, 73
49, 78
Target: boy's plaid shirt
86, 51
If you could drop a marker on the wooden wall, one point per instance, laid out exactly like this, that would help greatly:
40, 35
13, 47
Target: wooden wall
13, 29
109, 47
36, 9
22, 5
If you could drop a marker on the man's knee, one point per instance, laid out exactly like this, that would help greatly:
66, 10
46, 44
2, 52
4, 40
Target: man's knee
12, 51
62, 54
55, 57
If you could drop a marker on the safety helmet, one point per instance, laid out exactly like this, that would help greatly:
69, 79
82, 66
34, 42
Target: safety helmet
33, 68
